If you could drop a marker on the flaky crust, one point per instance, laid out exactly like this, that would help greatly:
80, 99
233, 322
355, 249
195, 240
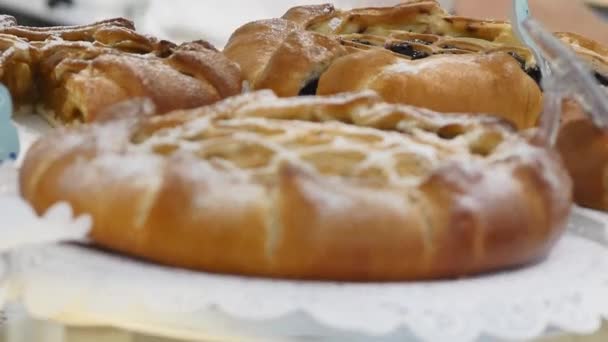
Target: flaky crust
255, 185
330, 51
73, 73
276, 54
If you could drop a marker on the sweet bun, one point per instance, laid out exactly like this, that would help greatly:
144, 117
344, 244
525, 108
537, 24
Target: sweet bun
344, 187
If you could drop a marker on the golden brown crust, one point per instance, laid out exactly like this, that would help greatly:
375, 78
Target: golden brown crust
17, 70
284, 67
296, 55
304, 15
75, 72
584, 149
248, 186
489, 83
254, 44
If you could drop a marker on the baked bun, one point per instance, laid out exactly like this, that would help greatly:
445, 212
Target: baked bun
584, 149
413, 53
73, 73
257, 185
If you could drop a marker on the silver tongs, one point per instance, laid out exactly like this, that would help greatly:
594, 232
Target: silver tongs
564, 74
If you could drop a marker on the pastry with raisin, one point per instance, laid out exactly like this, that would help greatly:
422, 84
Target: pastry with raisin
413, 53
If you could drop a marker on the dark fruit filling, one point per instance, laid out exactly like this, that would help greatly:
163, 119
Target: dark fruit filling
533, 72
364, 42
310, 88
407, 50
601, 78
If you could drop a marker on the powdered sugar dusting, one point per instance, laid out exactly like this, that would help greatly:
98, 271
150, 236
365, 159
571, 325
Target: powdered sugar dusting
419, 66
130, 167
262, 123
334, 23
234, 161
242, 144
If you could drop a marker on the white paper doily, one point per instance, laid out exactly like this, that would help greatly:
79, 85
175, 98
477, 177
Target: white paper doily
78, 285
21, 226
568, 291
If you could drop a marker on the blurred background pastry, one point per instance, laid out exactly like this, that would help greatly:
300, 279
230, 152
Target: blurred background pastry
183, 20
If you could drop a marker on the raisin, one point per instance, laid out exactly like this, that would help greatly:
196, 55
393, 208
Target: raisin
310, 88
407, 50
534, 71
364, 42
535, 74
601, 78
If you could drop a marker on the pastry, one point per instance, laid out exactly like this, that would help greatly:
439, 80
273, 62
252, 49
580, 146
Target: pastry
594, 53
584, 149
73, 73
345, 187
413, 53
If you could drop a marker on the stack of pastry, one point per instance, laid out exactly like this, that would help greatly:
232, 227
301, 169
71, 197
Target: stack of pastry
413, 53
350, 183
72, 73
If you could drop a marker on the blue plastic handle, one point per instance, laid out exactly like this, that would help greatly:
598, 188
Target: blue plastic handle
9, 139
521, 13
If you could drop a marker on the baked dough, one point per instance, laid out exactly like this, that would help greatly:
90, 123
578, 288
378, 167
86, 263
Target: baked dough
413, 53
584, 149
73, 73
346, 187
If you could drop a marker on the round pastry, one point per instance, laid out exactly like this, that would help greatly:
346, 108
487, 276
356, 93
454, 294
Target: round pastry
414, 53
263, 186
73, 73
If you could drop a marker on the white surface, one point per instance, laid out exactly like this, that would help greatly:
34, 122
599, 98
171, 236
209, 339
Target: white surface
82, 12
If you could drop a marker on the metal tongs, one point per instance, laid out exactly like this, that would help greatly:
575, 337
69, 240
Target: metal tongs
564, 74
